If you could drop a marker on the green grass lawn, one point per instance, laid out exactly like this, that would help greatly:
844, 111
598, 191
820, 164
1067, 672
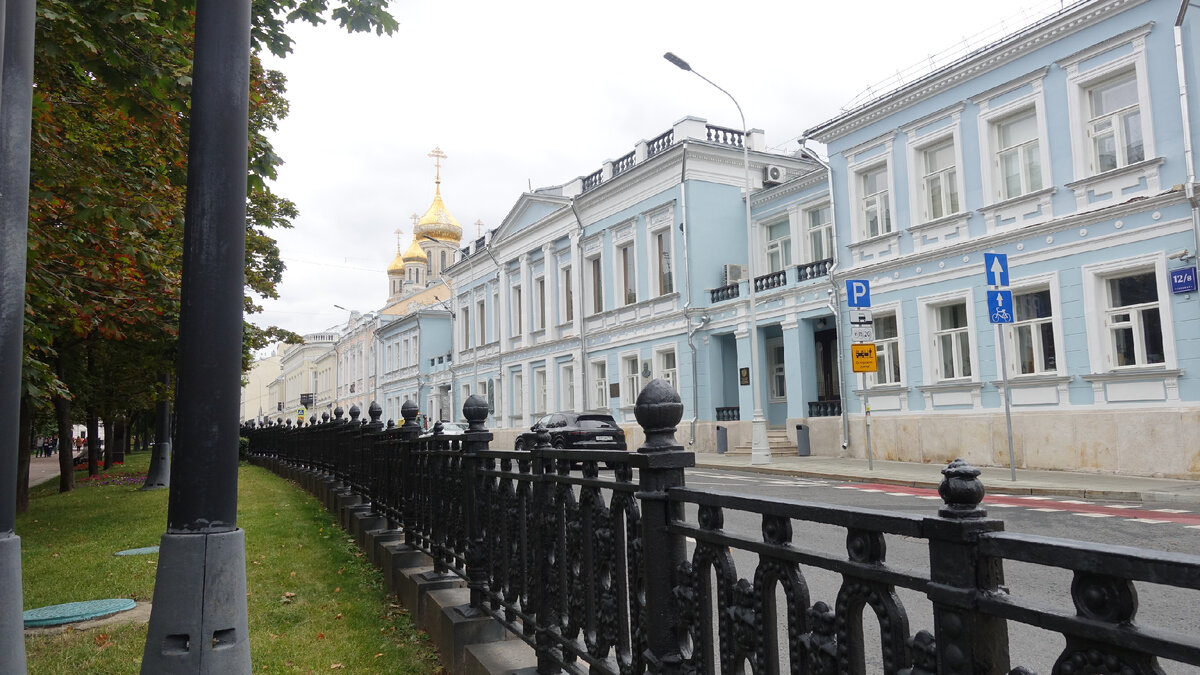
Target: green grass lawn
316, 603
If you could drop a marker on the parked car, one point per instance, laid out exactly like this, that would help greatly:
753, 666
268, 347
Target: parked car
576, 431
448, 429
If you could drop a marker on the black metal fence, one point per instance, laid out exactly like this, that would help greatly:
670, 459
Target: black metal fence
583, 554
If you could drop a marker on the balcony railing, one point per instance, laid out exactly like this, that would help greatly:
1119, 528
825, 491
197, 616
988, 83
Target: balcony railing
726, 136
725, 292
660, 143
729, 414
624, 164
813, 270
593, 180
770, 280
824, 408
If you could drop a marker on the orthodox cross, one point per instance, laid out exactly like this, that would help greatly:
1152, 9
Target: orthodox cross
416, 219
478, 228
398, 233
438, 156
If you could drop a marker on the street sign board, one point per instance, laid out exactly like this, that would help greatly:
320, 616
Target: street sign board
1183, 280
306, 400
863, 358
862, 326
858, 293
995, 266
1000, 306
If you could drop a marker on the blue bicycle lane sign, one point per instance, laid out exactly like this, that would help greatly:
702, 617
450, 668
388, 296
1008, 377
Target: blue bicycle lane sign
1000, 306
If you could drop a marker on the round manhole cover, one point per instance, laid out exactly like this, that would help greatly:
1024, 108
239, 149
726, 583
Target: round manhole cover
138, 551
72, 612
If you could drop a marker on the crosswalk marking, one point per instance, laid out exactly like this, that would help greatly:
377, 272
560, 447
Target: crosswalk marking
1073, 501
1147, 520
1170, 511
1044, 510
1033, 498
1094, 515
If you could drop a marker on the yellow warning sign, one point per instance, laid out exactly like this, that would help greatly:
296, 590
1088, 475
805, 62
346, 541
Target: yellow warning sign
863, 358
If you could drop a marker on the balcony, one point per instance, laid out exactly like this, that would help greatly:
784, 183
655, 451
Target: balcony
813, 270
729, 414
725, 292
824, 408
770, 280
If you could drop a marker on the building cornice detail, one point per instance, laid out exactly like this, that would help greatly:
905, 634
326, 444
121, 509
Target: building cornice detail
972, 66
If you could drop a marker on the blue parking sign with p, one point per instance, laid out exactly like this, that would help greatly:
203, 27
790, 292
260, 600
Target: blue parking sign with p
858, 293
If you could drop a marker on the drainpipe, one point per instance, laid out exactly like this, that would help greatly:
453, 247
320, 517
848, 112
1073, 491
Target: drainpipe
835, 302
577, 255
1188, 160
687, 305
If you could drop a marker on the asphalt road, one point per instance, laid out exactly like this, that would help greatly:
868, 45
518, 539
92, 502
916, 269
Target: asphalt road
1149, 526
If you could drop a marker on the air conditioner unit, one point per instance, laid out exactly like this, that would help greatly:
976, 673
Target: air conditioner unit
774, 174
731, 274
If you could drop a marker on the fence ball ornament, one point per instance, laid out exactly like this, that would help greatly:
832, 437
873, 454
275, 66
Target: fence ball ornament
961, 490
658, 410
374, 411
475, 409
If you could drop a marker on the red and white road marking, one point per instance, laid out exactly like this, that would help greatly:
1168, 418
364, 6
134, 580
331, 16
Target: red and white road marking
1086, 509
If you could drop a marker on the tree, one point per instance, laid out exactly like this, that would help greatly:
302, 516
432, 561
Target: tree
108, 177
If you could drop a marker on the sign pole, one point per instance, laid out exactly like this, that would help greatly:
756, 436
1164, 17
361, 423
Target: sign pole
1012, 464
867, 408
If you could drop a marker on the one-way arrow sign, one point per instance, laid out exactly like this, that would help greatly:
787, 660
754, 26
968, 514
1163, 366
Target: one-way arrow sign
995, 266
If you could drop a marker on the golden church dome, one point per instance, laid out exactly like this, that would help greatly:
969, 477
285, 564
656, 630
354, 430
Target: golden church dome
437, 221
397, 266
415, 253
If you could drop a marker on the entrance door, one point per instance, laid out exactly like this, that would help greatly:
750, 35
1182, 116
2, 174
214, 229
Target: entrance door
828, 380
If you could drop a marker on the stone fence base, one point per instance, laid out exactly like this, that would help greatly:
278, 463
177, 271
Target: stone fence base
439, 604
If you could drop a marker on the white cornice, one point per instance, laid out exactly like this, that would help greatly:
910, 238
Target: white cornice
971, 66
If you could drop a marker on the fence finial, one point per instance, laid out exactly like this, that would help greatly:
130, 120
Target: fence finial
354, 412
658, 410
375, 411
475, 409
338, 412
409, 412
961, 490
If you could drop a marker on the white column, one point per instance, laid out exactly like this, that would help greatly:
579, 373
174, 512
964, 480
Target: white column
526, 293
502, 310
550, 277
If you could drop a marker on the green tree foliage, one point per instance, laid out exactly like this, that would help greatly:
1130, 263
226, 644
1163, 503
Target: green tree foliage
108, 179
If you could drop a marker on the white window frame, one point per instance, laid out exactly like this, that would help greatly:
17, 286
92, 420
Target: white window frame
806, 214
924, 135
1080, 84
516, 316
631, 382
480, 323
775, 367
1031, 102
1044, 282
1096, 309
465, 321
892, 310
593, 288
599, 395
566, 387
566, 294
661, 371
657, 237
538, 404
784, 248
539, 303
879, 201
517, 382
625, 267
931, 354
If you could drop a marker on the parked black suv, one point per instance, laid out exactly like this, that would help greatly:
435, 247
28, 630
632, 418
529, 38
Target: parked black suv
576, 431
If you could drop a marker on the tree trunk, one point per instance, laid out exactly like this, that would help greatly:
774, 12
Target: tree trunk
110, 439
24, 443
66, 445
93, 444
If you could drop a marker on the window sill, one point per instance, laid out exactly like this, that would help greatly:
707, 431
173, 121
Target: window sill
1028, 209
1117, 185
883, 390
873, 248
1135, 385
940, 232
1133, 374
956, 393
1020, 381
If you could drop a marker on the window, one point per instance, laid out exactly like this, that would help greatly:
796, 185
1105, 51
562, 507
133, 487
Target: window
662, 258
940, 182
539, 299
1135, 332
665, 367
566, 379
1018, 155
1033, 333
1115, 126
952, 339
568, 309
599, 385
631, 380
595, 285
480, 325
518, 394
515, 316
628, 273
777, 367
779, 246
820, 233
887, 351
875, 207
539, 391
466, 328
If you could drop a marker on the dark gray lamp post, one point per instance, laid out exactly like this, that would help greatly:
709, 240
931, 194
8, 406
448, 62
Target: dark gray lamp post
760, 452
16, 103
199, 623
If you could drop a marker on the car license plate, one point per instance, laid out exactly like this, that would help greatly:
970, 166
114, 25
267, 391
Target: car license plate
604, 438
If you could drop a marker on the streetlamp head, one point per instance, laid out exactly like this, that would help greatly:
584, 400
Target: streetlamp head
680, 63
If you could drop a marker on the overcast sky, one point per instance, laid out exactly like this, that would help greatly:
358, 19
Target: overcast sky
537, 92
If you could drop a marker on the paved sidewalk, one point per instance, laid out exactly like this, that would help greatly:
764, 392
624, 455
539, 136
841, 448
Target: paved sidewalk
996, 480
42, 469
